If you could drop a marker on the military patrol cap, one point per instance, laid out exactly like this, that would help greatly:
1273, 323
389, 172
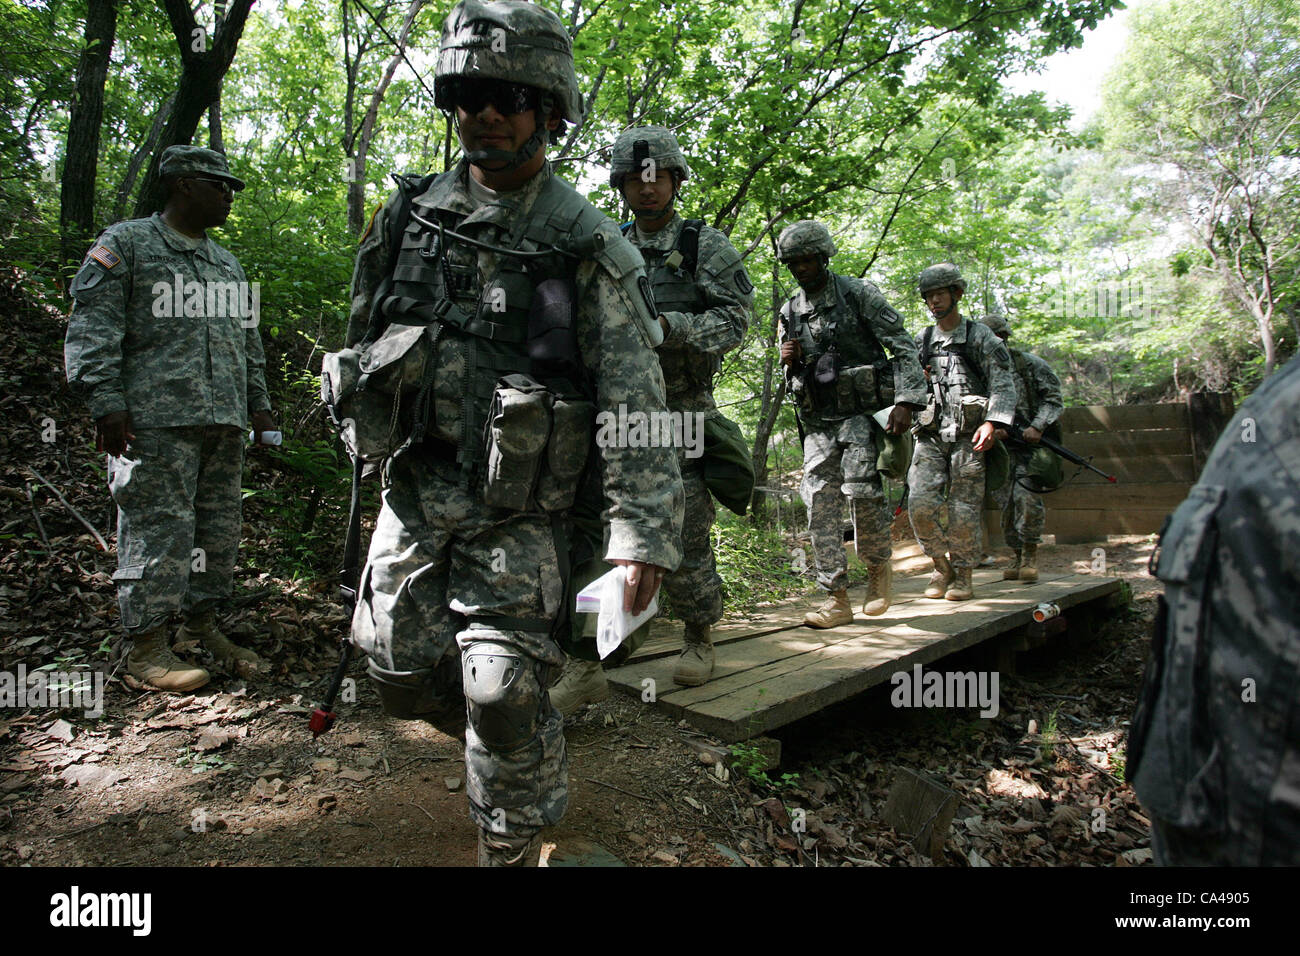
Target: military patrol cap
197, 161
998, 323
806, 237
940, 276
508, 40
640, 143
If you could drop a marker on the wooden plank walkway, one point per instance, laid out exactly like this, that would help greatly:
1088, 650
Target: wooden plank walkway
772, 670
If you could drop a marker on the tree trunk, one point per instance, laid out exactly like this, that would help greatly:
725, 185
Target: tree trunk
357, 183
769, 402
138, 157
215, 139
204, 62
81, 163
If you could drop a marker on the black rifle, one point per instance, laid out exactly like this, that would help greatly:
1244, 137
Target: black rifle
1016, 434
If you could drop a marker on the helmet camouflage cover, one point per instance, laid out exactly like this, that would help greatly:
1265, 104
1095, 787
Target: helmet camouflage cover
508, 40
940, 276
806, 237
639, 143
997, 323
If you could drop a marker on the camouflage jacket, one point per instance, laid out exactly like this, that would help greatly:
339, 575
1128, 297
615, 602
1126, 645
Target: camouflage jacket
951, 381
1038, 390
1215, 742
165, 327
616, 334
865, 328
707, 314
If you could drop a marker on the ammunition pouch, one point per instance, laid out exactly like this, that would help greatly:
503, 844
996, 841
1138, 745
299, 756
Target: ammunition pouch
537, 445
973, 410
827, 389
377, 395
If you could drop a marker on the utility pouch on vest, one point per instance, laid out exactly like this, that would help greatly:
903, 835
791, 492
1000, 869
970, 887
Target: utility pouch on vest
973, 410
572, 422
365, 389
927, 420
518, 427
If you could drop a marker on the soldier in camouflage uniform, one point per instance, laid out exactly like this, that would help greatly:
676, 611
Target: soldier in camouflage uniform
703, 297
163, 342
452, 579
1214, 750
971, 392
841, 323
1039, 404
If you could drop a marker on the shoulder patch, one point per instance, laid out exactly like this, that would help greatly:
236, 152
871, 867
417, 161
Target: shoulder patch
105, 256
742, 282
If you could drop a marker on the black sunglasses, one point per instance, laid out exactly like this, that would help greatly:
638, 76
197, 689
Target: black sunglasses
221, 184
508, 98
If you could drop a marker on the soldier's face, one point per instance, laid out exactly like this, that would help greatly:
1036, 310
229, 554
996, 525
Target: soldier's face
210, 200
941, 301
807, 271
651, 194
490, 128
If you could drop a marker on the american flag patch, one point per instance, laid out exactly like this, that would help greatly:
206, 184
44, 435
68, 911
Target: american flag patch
105, 256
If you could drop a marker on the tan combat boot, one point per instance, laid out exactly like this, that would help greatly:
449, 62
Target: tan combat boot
1029, 569
497, 849
695, 666
202, 627
961, 588
880, 584
833, 612
582, 683
1013, 572
942, 577
152, 662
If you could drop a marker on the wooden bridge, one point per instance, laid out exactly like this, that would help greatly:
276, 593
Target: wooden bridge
772, 670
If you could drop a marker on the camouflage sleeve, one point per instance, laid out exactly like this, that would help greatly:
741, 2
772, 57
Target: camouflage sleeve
995, 363
728, 294
259, 399
1048, 401
643, 486
372, 257
92, 351
886, 325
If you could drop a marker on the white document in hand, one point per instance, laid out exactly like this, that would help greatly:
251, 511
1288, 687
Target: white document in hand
613, 624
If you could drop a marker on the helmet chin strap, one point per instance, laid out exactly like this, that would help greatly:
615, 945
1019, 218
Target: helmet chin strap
952, 304
509, 159
654, 216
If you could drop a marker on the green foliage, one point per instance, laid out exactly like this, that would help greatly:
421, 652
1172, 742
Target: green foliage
1047, 748
754, 563
750, 761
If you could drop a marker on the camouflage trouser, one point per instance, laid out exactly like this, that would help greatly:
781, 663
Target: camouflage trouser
1023, 513
840, 460
695, 588
1267, 840
442, 567
947, 480
177, 492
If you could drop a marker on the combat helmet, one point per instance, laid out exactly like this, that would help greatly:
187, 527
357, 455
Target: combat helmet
639, 143
807, 237
515, 42
940, 276
998, 324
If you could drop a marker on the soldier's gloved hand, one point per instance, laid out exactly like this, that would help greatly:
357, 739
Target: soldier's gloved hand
900, 419
1032, 435
791, 352
983, 439
262, 422
641, 585
113, 433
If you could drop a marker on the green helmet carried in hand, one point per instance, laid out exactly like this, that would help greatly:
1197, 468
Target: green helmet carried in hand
941, 276
806, 237
508, 41
655, 143
997, 322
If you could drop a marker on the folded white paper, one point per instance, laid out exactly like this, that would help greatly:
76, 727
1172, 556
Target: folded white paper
604, 596
882, 417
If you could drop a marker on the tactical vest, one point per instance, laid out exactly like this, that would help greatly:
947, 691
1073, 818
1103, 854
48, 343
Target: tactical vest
481, 331
675, 290
975, 383
865, 374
